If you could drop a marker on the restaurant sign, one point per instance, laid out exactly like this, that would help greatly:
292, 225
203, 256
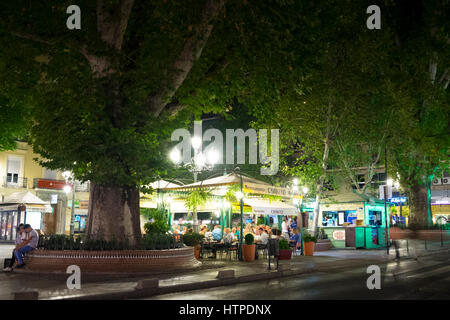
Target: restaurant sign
339, 235
272, 190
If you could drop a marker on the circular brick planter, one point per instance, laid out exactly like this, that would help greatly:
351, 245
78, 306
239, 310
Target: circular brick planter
112, 261
399, 234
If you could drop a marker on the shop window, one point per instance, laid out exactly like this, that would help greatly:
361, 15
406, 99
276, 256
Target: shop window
338, 218
375, 218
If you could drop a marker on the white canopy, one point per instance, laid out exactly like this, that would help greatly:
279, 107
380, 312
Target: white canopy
270, 207
32, 202
227, 179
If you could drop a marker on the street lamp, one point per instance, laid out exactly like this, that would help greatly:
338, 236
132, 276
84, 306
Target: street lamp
196, 142
67, 189
175, 156
389, 182
198, 163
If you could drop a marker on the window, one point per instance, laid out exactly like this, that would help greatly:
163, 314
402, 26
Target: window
50, 174
13, 170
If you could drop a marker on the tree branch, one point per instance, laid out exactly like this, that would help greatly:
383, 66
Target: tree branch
112, 30
190, 53
33, 38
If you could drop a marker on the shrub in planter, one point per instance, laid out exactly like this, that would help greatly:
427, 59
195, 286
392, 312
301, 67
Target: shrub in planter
310, 242
158, 226
285, 250
248, 249
193, 239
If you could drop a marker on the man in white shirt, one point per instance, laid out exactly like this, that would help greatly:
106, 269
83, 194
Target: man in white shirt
264, 236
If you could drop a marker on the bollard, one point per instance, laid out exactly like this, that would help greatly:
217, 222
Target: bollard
426, 245
26, 295
225, 274
148, 284
407, 247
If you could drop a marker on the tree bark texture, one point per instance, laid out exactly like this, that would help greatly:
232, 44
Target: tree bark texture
418, 205
114, 213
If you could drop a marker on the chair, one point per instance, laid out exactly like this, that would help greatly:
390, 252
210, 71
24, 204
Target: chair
262, 247
295, 251
206, 248
229, 249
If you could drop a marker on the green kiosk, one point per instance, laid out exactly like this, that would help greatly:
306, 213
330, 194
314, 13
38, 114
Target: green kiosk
355, 224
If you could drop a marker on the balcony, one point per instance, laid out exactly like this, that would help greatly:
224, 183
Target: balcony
14, 182
59, 185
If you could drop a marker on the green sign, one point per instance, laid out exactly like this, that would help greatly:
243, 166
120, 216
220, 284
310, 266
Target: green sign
77, 203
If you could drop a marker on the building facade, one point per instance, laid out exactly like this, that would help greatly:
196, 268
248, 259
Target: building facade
20, 172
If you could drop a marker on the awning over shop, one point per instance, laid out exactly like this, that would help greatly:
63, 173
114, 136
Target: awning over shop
270, 207
225, 180
250, 185
32, 202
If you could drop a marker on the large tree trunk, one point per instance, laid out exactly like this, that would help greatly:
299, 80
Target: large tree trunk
418, 205
114, 213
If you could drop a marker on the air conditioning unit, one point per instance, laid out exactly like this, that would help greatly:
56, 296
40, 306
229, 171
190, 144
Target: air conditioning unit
446, 180
437, 181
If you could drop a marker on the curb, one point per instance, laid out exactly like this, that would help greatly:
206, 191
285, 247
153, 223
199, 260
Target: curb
148, 292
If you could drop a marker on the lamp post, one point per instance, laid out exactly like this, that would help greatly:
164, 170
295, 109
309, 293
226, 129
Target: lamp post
389, 183
69, 177
240, 196
300, 208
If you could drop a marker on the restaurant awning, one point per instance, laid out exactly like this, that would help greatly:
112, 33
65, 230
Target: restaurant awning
270, 207
224, 180
250, 185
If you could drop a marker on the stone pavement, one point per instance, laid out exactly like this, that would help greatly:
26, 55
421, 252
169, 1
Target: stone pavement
98, 287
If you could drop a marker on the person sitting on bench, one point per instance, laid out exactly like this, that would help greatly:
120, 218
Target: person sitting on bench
28, 245
21, 236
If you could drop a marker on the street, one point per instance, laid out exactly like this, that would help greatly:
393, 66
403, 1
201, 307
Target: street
426, 278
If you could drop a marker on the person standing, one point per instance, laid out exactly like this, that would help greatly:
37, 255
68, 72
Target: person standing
28, 245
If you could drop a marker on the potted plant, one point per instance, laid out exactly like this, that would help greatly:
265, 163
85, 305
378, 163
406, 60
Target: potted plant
309, 244
194, 239
248, 249
285, 250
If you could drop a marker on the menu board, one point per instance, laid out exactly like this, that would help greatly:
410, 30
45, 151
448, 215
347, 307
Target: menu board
341, 218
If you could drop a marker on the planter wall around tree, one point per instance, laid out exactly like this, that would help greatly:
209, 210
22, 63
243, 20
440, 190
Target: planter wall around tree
434, 235
112, 261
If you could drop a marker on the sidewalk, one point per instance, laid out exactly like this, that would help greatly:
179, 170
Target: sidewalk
54, 287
